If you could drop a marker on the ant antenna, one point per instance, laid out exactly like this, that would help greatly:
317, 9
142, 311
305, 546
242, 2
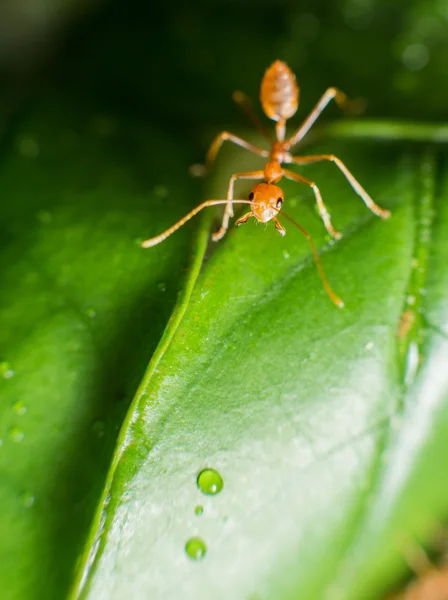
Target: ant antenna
246, 104
335, 299
161, 237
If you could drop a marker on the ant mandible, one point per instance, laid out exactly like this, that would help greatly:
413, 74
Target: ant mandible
279, 96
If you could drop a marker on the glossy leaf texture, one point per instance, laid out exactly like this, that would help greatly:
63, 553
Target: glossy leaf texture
78, 316
326, 425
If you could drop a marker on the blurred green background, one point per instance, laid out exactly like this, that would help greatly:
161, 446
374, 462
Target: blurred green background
103, 106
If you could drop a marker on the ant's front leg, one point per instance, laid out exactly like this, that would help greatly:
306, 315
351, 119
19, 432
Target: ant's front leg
228, 212
324, 214
279, 227
244, 218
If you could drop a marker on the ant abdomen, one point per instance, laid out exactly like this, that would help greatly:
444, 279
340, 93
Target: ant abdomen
279, 92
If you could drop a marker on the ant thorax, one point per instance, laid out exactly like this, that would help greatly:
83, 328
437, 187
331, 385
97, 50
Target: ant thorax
279, 153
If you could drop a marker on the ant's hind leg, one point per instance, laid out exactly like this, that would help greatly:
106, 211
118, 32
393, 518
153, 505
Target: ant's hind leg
222, 137
228, 212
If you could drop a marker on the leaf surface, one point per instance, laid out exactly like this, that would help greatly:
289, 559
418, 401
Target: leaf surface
304, 409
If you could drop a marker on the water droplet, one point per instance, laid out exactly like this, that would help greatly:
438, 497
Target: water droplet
90, 312
199, 510
411, 299
44, 217
19, 408
99, 428
16, 434
411, 363
195, 548
5, 370
358, 15
161, 191
161, 286
424, 237
28, 147
286, 254
197, 170
210, 482
415, 57
369, 345
27, 499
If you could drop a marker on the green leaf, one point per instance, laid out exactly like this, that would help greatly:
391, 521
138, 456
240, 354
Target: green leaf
82, 306
328, 427
305, 410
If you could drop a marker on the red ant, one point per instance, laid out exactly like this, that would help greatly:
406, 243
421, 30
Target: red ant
279, 96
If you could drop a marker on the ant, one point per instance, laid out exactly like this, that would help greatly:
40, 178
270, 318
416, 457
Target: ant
279, 96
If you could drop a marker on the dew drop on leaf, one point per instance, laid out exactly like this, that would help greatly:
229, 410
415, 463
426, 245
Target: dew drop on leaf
199, 510
411, 363
44, 216
19, 408
161, 191
99, 428
210, 482
16, 434
195, 548
5, 370
415, 57
27, 499
28, 147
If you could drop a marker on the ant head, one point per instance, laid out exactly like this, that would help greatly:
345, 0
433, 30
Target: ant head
267, 200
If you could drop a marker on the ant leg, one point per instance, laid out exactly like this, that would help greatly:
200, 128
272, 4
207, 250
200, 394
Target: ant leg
222, 137
228, 211
325, 216
243, 219
377, 210
245, 103
335, 299
279, 227
332, 93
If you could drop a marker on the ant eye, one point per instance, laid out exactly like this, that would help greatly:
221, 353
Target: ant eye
251, 196
279, 202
